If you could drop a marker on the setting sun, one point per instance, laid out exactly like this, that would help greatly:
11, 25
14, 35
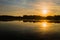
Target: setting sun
45, 11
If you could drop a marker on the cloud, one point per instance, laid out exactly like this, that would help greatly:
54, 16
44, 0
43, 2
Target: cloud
27, 3
15, 10
21, 7
57, 2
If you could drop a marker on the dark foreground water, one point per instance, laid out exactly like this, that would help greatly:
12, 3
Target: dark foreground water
19, 30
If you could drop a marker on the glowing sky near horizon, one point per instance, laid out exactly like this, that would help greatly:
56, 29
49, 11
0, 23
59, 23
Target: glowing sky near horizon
29, 7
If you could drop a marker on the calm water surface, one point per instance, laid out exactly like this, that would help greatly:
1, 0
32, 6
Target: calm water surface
20, 30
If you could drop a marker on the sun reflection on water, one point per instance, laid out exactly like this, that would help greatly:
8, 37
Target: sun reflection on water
44, 24
45, 27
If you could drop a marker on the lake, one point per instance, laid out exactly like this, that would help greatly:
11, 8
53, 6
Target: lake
20, 30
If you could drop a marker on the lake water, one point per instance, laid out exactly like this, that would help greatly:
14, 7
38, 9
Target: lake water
20, 30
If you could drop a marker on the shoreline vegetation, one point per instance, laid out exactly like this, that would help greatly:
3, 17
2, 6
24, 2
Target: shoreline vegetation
30, 18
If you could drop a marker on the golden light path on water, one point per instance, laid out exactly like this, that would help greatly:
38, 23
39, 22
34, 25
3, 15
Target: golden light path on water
45, 27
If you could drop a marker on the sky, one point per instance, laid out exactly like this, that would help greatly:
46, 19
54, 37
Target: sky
29, 7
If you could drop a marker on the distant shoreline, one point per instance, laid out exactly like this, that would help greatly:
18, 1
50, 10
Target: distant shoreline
31, 18
35, 17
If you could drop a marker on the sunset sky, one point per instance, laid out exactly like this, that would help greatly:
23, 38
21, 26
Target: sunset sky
29, 7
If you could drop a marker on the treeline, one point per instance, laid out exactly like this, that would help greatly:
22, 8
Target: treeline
7, 18
55, 17
32, 17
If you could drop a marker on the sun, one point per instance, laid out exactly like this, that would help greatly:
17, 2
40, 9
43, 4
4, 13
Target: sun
44, 11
